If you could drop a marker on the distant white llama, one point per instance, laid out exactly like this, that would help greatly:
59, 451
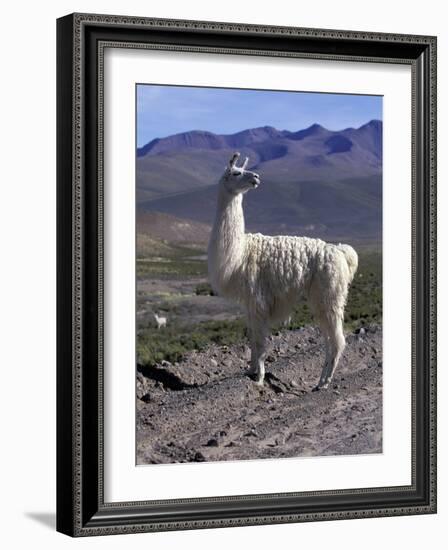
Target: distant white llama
267, 275
161, 321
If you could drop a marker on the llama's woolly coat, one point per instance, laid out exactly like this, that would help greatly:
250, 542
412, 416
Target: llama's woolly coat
274, 272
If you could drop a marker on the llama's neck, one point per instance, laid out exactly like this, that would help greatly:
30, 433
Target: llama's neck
227, 240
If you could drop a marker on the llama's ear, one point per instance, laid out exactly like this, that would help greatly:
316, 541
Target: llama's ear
246, 160
233, 160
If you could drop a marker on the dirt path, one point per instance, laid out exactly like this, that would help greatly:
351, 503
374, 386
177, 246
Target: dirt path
205, 408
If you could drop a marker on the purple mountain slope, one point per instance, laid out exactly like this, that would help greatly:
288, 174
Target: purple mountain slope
367, 137
312, 177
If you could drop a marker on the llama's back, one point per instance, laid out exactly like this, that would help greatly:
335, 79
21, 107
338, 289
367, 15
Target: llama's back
283, 261
291, 262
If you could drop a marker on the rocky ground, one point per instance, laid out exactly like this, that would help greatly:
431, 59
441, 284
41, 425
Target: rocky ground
205, 408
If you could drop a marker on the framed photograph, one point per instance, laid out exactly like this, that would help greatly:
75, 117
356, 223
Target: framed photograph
246, 274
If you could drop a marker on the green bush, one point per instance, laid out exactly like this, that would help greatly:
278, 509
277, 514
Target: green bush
172, 342
204, 289
172, 269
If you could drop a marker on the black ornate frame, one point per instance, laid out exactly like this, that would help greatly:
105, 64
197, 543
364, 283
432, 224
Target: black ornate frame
81, 39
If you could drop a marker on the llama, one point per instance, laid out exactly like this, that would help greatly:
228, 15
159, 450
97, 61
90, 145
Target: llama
161, 321
267, 275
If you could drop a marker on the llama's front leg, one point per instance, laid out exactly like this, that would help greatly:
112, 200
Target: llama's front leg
261, 356
253, 356
323, 375
259, 349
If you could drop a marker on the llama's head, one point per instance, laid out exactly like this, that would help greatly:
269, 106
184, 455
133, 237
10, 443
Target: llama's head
237, 179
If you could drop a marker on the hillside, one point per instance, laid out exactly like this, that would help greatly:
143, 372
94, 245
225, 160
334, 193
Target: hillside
172, 229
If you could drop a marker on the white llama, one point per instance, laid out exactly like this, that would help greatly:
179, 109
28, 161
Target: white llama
161, 321
267, 275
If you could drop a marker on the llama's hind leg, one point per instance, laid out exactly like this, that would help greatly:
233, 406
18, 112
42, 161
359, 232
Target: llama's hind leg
325, 334
328, 310
319, 313
336, 345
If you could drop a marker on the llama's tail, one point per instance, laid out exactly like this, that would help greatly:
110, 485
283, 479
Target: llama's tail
351, 258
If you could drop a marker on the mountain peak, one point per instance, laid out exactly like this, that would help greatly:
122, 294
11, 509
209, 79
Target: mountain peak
313, 130
261, 132
374, 124
314, 127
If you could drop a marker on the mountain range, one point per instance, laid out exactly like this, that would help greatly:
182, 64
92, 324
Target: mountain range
314, 181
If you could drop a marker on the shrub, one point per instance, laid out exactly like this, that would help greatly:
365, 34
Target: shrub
173, 342
204, 289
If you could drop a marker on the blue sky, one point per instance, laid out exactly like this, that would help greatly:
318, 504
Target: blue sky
167, 110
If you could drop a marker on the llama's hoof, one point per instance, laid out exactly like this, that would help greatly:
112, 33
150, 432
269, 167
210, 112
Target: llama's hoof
320, 387
255, 377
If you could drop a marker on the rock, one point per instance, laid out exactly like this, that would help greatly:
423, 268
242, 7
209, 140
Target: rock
199, 457
213, 363
212, 442
294, 384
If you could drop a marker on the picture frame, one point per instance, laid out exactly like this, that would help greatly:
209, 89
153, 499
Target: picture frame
81, 506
